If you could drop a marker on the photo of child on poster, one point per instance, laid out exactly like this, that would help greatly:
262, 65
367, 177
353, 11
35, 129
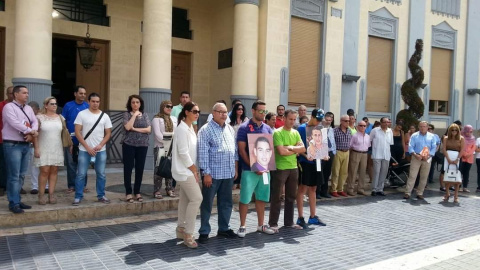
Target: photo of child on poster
317, 142
262, 158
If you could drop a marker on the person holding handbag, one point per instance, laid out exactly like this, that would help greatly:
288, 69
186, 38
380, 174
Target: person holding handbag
93, 129
48, 149
134, 145
453, 144
467, 155
163, 123
184, 171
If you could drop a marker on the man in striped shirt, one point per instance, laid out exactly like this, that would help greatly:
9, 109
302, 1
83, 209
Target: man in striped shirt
218, 162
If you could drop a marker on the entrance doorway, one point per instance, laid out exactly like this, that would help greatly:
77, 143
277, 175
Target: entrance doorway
181, 67
2, 63
67, 72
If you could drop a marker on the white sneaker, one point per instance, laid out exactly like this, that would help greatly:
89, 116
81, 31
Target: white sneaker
265, 229
242, 231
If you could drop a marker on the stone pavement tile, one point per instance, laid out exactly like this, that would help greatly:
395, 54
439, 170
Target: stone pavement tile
11, 231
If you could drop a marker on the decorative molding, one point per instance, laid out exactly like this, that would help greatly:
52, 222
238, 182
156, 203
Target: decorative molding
326, 92
426, 102
444, 36
362, 97
398, 2
455, 105
449, 8
284, 85
252, 2
382, 23
308, 9
336, 12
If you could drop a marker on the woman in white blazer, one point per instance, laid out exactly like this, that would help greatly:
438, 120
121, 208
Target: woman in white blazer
184, 171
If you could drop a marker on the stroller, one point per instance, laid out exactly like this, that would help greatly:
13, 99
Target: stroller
397, 175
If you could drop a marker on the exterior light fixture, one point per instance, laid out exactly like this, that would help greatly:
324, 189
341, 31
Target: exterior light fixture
55, 14
87, 53
350, 78
423, 85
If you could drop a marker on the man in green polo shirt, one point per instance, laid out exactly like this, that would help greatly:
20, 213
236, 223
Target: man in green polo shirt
287, 144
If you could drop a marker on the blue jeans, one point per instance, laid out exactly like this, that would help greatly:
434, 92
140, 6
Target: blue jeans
223, 189
83, 163
3, 176
71, 169
16, 160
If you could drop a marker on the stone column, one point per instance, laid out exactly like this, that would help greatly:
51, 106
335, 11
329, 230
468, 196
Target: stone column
245, 52
155, 78
32, 62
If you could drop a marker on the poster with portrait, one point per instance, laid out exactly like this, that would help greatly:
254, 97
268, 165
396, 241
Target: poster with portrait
317, 142
262, 152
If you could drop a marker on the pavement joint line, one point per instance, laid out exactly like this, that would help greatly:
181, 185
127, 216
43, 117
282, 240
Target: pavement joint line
429, 256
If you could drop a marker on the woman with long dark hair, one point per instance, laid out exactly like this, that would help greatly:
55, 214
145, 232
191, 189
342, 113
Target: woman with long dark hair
134, 145
238, 116
332, 125
163, 124
184, 171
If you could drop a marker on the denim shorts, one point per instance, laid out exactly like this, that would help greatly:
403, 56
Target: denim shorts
252, 182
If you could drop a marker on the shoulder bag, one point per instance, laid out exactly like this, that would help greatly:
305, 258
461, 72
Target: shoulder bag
66, 138
165, 167
75, 149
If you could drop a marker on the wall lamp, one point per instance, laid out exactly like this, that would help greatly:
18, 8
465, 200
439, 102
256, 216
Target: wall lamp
423, 85
350, 78
473, 91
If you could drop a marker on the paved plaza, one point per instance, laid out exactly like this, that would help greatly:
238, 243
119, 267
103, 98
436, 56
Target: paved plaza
361, 232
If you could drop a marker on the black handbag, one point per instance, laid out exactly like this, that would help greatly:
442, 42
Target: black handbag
165, 167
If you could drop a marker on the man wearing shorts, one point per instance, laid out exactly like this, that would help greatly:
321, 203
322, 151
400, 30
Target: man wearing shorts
309, 178
252, 182
287, 144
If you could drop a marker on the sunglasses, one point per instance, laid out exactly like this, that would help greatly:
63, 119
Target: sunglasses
262, 111
195, 111
52, 104
169, 106
345, 120
361, 126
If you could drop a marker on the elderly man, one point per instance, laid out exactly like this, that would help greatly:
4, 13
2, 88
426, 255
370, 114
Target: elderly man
322, 190
3, 176
422, 147
302, 111
342, 136
20, 126
218, 162
287, 144
358, 160
382, 138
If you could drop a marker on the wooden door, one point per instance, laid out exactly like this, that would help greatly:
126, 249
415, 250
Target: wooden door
180, 74
95, 78
2, 64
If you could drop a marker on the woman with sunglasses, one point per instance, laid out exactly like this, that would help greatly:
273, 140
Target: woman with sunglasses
238, 117
184, 171
467, 155
48, 149
163, 124
453, 145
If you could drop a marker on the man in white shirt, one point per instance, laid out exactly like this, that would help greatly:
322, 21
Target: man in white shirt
382, 138
92, 139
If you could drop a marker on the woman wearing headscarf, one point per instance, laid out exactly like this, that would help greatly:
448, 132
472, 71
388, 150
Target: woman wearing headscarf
162, 123
467, 155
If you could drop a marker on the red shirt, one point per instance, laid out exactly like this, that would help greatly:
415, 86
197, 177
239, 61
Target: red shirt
280, 122
2, 104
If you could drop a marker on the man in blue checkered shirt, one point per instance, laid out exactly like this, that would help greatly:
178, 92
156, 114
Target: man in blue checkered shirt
218, 161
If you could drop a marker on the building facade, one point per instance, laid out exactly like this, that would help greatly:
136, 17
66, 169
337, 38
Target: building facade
333, 54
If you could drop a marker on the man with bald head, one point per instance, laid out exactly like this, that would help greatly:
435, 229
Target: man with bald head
218, 161
358, 160
3, 176
342, 135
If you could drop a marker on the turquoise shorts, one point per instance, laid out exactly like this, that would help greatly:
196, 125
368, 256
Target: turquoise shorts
252, 182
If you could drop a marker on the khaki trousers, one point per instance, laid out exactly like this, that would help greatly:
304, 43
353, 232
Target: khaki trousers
358, 162
339, 170
188, 203
416, 166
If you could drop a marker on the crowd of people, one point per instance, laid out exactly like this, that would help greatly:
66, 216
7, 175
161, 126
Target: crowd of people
213, 160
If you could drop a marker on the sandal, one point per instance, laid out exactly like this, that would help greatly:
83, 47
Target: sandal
455, 200
41, 199
139, 198
171, 193
189, 241
180, 231
52, 199
129, 198
445, 198
70, 190
158, 196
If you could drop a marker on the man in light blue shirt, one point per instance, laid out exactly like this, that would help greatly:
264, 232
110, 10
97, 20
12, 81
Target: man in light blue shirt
218, 162
422, 147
